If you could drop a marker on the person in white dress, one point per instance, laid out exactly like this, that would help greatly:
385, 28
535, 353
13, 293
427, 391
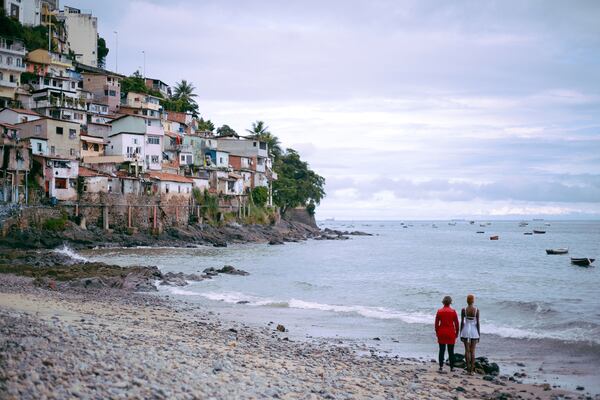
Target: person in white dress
469, 331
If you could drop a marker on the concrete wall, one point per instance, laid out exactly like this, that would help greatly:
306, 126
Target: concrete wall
82, 31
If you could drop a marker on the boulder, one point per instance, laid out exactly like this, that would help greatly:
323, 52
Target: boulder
230, 270
280, 328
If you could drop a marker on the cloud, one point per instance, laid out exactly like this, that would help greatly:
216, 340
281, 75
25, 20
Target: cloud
432, 108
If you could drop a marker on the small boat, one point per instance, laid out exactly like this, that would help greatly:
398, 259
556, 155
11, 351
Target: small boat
495, 237
528, 233
539, 231
404, 226
557, 251
523, 224
482, 225
480, 232
471, 222
582, 262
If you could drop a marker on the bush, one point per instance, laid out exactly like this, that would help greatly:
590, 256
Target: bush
310, 208
260, 195
55, 224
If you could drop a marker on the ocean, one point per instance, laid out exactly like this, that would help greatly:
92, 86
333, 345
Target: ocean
536, 309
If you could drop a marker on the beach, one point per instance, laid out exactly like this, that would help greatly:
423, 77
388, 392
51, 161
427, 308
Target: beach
110, 343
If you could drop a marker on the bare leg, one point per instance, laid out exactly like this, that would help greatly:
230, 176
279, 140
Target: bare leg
467, 358
472, 352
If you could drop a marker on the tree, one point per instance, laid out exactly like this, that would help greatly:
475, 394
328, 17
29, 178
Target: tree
225, 130
102, 52
261, 131
205, 125
260, 195
296, 184
133, 83
182, 99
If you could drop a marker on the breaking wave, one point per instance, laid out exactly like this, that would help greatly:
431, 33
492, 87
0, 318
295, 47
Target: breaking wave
537, 307
67, 251
571, 332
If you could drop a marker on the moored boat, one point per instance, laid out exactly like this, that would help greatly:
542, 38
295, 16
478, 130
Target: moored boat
528, 233
480, 232
582, 262
539, 231
495, 237
557, 251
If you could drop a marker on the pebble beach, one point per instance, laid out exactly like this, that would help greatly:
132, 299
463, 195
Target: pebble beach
108, 343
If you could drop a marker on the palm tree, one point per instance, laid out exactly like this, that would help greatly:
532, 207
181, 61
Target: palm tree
258, 128
261, 132
184, 90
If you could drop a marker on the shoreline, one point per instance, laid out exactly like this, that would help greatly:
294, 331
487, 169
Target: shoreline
112, 342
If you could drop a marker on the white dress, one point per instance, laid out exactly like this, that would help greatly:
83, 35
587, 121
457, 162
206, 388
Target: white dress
469, 330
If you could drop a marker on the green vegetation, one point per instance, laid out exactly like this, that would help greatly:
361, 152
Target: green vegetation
209, 204
136, 83
259, 196
205, 125
261, 132
56, 224
296, 184
226, 130
102, 52
182, 99
32, 37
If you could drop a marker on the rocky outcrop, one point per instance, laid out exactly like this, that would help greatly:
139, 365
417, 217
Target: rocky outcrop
227, 269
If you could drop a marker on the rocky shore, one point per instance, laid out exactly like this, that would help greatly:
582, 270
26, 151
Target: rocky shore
86, 342
185, 236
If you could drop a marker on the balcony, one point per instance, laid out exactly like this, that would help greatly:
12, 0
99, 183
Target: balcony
12, 46
9, 84
12, 66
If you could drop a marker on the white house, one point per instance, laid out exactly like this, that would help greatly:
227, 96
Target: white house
171, 184
138, 139
82, 31
16, 115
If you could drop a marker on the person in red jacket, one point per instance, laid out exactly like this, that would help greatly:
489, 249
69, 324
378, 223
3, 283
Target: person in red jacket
446, 330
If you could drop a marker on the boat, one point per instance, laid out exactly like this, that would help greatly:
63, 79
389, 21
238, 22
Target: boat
539, 231
522, 224
495, 237
557, 251
482, 225
471, 222
480, 232
527, 233
582, 262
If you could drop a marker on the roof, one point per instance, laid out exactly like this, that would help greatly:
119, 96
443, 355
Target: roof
95, 70
9, 126
163, 176
21, 111
92, 139
88, 172
126, 133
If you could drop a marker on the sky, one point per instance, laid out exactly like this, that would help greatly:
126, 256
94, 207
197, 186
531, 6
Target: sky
409, 109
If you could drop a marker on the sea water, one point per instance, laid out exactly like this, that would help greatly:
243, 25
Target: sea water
535, 308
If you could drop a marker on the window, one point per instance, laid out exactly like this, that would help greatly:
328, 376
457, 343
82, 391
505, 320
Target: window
129, 150
77, 116
155, 160
112, 93
46, 81
178, 188
263, 146
135, 141
106, 92
60, 183
59, 130
18, 62
52, 150
220, 160
72, 133
39, 147
254, 144
182, 158
9, 60
153, 140
72, 85
84, 145
96, 147
189, 159
37, 130
166, 188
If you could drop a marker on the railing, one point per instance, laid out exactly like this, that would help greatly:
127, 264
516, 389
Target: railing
8, 84
16, 46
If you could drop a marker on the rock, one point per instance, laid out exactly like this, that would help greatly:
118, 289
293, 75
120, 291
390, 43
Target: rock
230, 270
280, 328
210, 271
580, 388
243, 302
376, 338
274, 242
460, 389
488, 378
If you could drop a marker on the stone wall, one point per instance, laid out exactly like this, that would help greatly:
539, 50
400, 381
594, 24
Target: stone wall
300, 215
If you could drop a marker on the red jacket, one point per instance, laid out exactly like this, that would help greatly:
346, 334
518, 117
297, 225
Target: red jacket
446, 325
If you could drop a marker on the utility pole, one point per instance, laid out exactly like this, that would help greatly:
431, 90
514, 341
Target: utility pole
144, 53
116, 51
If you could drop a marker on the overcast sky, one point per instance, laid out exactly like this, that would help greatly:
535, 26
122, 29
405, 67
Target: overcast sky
409, 109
